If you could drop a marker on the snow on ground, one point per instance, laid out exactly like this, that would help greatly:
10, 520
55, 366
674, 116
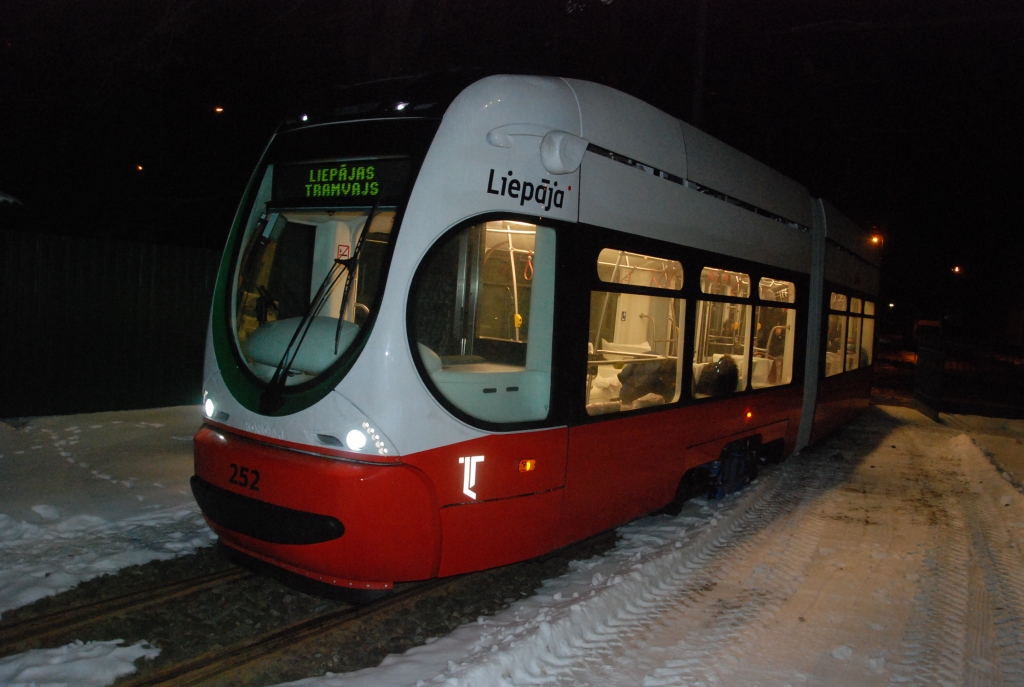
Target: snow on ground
85, 495
92, 664
890, 554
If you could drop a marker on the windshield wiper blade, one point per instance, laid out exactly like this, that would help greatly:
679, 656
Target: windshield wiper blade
315, 305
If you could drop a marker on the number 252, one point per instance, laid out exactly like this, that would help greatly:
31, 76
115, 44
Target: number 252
244, 477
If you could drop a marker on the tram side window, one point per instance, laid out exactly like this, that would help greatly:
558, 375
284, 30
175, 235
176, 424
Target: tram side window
482, 309
774, 341
867, 339
835, 342
623, 267
853, 335
634, 345
721, 335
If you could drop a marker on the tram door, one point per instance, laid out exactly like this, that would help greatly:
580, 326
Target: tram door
617, 461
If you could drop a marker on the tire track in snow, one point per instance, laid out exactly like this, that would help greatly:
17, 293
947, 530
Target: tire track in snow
721, 629
715, 648
1000, 576
967, 627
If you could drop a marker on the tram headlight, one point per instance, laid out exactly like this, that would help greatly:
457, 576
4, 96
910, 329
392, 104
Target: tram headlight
209, 407
355, 440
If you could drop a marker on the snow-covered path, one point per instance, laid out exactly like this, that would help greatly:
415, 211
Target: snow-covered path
890, 554
890, 567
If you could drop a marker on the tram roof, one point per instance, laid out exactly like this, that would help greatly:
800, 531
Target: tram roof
601, 115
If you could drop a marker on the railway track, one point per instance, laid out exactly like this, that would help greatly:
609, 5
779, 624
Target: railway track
33, 632
206, 640
242, 662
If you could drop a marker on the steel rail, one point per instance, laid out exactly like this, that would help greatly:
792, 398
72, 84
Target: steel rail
27, 634
213, 664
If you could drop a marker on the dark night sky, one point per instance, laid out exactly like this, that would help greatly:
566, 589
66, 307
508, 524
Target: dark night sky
905, 114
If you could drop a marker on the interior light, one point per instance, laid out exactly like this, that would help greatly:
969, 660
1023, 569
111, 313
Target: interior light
355, 440
305, 117
401, 106
208, 407
527, 465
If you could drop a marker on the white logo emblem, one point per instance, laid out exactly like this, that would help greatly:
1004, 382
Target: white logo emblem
469, 474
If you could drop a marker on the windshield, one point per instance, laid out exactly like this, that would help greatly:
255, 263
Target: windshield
307, 278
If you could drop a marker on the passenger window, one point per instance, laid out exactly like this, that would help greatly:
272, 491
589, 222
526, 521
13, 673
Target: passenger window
835, 342
634, 348
482, 317
623, 267
867, 339
724, 283
778, 291
853, 343
774, 342
721, 335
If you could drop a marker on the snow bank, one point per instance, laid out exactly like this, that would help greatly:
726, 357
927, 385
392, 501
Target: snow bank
41, 560
86, 495
92, 664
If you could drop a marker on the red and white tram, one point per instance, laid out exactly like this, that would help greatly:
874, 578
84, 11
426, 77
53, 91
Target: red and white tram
453, 332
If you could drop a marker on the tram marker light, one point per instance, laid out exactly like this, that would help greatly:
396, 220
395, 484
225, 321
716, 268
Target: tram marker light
527, 465
355, 440
209, 407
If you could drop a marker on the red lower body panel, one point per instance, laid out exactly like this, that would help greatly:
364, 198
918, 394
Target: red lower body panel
392, 524
485, 535
840, 399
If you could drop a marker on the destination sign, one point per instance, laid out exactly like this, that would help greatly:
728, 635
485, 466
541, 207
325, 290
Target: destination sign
345, 184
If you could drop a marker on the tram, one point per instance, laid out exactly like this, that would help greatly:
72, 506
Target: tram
458, 326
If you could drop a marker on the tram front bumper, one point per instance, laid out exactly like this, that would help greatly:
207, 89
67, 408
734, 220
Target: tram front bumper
342, 522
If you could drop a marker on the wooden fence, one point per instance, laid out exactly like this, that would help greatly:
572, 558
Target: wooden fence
90, 325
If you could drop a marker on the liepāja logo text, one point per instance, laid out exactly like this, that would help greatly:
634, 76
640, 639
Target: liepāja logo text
545, 193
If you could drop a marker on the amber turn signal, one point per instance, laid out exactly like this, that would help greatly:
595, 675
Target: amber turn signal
527, 465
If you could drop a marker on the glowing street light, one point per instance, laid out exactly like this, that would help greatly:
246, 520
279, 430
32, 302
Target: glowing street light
218, 110
138, 167
956, 270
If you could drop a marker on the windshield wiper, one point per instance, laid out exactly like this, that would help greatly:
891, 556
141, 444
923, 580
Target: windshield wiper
271, 400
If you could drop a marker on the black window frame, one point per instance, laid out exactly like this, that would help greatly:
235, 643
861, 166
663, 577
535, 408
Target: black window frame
588, 242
